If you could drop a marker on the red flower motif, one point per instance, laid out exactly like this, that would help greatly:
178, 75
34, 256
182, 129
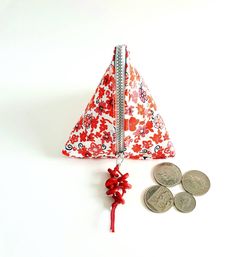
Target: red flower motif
112, 149
98, 134
107, 79
166, 136
107, 137
147, 144
101, 108
74, 139
157, 138
112, 80
91, 137
159, 155
94, 122
131, 124
101, 92
108, 93
84, 152
141, 131
96, 149
149, 126
103, 125
112, 85
129, 110
141, 109
110, 105
136, 148
127, 141
87, 120
83, 136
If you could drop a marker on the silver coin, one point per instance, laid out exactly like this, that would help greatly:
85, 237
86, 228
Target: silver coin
196, 182
184, 202
167, 174
158, 198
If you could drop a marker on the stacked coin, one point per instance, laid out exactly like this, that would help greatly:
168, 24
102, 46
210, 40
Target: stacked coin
159, 198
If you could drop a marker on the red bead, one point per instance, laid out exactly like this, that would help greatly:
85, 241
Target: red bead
122, 201
118, 194
125, 176
111, 181
111, 191
128, 186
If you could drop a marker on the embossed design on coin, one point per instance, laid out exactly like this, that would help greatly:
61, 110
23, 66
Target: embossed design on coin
196, 182
167, 174
184, 202
158, 198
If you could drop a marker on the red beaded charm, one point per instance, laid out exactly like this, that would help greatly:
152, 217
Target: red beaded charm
117, 186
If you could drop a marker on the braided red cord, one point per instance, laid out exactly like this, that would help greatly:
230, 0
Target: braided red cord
117, 185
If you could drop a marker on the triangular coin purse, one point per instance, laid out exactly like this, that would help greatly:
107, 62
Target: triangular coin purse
120, 121
121, 117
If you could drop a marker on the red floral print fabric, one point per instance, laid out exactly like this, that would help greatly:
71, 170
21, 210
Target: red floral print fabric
94, 135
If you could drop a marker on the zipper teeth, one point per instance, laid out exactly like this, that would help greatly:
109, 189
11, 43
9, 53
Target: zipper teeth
120, 87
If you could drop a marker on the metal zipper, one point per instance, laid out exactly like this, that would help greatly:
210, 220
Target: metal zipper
120, 59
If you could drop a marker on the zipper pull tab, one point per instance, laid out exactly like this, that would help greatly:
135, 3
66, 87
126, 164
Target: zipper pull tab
120, 158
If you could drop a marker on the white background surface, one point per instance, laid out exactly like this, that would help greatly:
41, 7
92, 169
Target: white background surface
52, 57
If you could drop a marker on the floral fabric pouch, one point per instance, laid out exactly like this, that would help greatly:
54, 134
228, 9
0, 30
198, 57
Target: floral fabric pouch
121, 118
120, 121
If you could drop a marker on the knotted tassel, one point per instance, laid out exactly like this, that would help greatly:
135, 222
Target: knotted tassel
117, 185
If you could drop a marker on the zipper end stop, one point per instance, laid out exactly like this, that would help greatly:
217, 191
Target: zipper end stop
120, 158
